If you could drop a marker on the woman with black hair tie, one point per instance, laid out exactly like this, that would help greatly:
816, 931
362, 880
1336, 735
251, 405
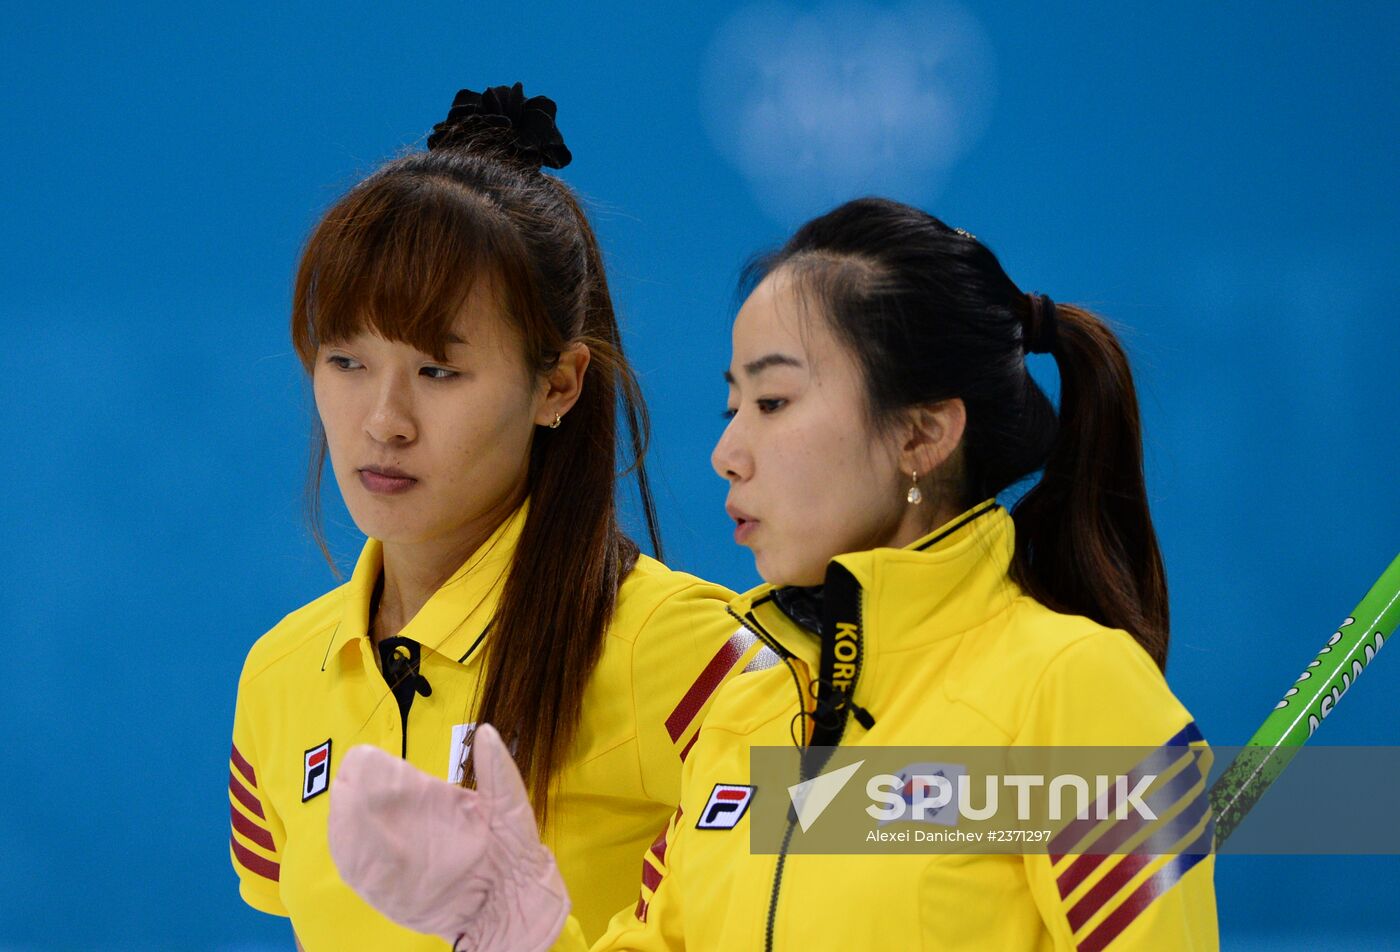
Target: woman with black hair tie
454, 317
879, 400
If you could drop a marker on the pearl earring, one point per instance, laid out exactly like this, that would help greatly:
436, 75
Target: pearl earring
915, 495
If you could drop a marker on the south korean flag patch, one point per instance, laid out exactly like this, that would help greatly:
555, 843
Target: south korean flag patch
727, 805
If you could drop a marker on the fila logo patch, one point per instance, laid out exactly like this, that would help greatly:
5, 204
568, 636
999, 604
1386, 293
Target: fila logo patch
318, 771
727, 805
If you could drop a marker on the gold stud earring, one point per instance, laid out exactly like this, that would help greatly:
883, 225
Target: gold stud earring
557, 420
915, 495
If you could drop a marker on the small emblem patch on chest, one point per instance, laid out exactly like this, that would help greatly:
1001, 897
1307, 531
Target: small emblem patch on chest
726, 807
317, 775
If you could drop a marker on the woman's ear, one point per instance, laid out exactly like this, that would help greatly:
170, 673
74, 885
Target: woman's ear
932, 435
563, 385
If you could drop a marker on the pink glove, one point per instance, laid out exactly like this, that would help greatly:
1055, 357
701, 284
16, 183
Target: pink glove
466, 865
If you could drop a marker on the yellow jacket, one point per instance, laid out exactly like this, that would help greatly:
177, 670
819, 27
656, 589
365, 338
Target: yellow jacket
954, 654
311, 688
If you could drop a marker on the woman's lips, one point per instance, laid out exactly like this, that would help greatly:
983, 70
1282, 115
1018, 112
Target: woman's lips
386, 482
744, 530
745, 524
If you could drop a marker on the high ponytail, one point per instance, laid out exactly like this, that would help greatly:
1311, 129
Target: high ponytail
931, 315
1085, 543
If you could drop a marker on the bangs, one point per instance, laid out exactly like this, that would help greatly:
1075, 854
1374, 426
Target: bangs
397, 256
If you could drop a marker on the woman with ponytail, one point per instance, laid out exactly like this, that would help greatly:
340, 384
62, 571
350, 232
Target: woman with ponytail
879, 401
454, 317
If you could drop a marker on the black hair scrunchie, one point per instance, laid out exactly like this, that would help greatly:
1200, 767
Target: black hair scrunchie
504, 117
1040, 332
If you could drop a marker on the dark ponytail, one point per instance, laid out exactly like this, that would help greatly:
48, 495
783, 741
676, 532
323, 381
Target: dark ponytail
931, 315
1084, 537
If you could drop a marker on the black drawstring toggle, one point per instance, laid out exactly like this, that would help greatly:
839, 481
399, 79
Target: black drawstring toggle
863, 717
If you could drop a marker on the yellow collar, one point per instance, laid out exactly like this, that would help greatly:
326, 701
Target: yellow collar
453, 621
943, 584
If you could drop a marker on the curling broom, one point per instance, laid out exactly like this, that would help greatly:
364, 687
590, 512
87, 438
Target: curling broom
1302, 709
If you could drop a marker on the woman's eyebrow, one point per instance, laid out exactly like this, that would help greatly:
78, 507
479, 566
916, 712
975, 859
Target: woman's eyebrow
755, 367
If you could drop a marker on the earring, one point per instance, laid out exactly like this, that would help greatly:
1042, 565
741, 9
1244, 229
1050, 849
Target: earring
557, 420
915, 495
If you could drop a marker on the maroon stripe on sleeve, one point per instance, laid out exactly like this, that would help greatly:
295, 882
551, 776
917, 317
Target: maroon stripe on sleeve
651, 876
1122, 917
1106, 888
729, 653
1160, 802
250, 830
1176, 745
641, 911
685, 751
242, 795
1080, 868
658, 848
253, 862
1064, 840
245, 768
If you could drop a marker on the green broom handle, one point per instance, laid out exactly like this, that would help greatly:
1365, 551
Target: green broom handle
1313, 696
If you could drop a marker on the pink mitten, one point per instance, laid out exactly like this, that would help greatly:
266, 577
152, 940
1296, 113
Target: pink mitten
466, 865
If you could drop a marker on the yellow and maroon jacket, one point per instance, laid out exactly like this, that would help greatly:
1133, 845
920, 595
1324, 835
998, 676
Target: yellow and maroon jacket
311, 688
952, 653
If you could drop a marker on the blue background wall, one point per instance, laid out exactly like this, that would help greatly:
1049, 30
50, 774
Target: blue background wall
1221, 183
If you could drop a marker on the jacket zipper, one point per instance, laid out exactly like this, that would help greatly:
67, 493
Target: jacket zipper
806, 771
751, 623
850, 707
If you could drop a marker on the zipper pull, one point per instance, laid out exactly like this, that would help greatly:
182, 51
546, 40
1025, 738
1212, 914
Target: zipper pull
863, 717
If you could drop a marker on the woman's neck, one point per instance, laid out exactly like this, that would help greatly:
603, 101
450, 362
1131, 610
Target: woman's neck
918, 521
412, 572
